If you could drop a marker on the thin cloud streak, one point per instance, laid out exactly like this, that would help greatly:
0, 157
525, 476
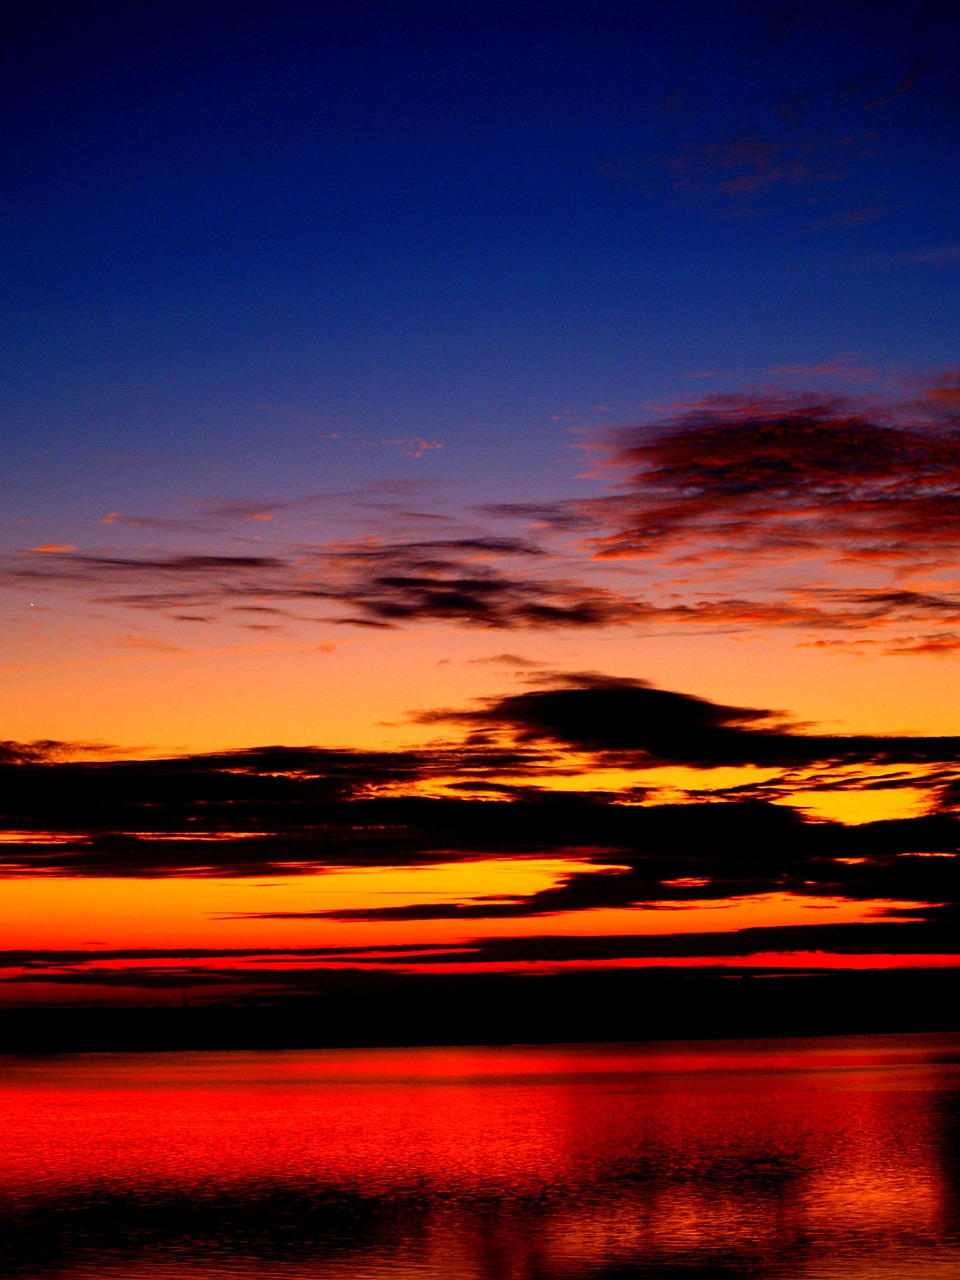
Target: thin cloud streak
306, 969
379, 583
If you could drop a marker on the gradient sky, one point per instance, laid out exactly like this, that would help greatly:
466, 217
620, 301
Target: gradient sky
480, 487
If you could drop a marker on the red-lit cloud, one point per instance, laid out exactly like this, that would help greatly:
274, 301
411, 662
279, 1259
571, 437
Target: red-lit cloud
786, 478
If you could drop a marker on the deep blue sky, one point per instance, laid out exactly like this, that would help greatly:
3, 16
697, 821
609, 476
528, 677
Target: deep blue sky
234, 231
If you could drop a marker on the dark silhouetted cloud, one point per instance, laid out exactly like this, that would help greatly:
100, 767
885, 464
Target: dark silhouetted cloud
286, 810
48, 751
632, 723
932, 931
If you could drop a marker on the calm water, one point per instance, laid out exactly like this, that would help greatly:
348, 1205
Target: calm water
826, 1159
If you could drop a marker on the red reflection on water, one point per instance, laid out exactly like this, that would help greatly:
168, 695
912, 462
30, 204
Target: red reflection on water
618, 1152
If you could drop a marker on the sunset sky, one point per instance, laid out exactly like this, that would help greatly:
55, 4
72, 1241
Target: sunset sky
481, 491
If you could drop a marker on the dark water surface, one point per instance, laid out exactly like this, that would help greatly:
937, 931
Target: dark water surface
830, 1159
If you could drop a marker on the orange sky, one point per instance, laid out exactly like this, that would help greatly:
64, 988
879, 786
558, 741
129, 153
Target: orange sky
749, 602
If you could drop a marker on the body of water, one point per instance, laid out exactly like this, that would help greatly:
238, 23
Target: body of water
823, 1159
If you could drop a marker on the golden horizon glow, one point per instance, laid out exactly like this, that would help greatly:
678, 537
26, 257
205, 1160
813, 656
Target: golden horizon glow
64, 912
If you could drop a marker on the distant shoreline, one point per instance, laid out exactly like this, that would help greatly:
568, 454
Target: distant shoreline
361, 1010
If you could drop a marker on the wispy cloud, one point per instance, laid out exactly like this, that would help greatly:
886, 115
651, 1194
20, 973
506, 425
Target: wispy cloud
836, 518
846, 367
747, 163
414, 446
151, 644
945, 255
467, 581
50, 751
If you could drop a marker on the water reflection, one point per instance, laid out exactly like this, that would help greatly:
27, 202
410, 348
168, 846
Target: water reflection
824, 1159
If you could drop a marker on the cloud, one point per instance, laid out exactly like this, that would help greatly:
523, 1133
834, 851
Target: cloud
944, 392
832, 518
629, 722
756, 511
853, 217
250, 509
151, 644
373, 583
271, 812
453, 581
844, 367
673, 855
561, 516
930, 935
212, 517
898, 931
285, 810
746, 163
939, 256
415, 446
102, 568
941, 646
251, 812
47, 751
906, 84
505, 660
785, 476
487, 582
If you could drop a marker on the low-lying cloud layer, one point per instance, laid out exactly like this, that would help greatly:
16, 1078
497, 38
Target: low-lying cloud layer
300, 810
276, 811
